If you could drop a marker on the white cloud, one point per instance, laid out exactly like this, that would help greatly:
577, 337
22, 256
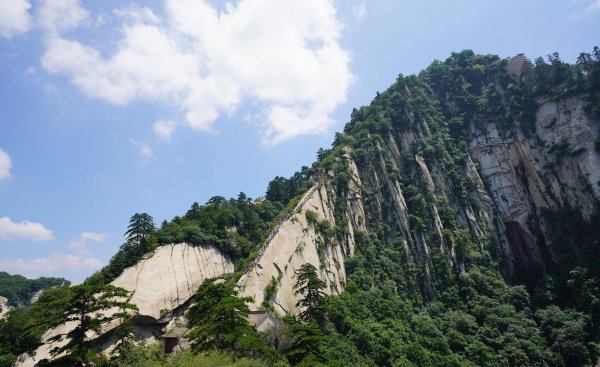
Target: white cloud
137, 14
56, 16
5, 165
360, 10
14, 17
144, 150
81, 244
58, 264
164, 129
283, 56
24, 230
593, 7
94, 236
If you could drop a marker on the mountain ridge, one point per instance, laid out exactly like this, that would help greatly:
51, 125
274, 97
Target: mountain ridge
435, 220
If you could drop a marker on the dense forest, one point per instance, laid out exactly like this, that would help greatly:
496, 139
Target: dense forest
19, 290
397, 309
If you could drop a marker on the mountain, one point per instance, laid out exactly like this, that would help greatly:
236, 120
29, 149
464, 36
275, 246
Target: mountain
20, 291
454, 222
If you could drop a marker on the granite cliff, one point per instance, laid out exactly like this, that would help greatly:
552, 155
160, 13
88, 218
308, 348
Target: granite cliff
460, 173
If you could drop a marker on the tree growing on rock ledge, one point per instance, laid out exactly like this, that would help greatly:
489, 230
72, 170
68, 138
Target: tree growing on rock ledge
88, 307
219, 320
311, 290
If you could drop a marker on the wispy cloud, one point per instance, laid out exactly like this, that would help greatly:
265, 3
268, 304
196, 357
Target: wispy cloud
58, 265
144, 150
591, 8
5, 165
284, 57
14, 17
55, 16
164, 129
24, 230
360, 10
81, 244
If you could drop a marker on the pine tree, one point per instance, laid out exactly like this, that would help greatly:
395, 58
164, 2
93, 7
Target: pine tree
306, 346
88, 307
141, 227
219, 320
311, 289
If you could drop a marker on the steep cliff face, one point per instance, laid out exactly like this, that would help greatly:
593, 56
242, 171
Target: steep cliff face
471, 155
161, 284
446, 185
306, 236
557, 166
168, 277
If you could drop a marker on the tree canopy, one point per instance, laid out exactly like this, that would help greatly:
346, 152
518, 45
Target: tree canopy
310, 288
219, 320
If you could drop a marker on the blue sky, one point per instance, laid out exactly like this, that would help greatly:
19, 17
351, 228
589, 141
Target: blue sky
108, 108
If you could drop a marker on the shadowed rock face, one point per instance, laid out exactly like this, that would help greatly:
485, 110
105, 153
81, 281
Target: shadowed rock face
160, 283
526, 174
528, 263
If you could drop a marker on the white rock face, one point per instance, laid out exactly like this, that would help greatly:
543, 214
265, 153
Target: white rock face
296, 242
170, 276
163, 281
3, 307
36, 296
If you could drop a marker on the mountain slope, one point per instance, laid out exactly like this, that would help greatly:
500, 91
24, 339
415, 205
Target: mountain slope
455, 221
20, 291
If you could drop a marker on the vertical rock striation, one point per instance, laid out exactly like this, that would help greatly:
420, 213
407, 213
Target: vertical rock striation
298, 240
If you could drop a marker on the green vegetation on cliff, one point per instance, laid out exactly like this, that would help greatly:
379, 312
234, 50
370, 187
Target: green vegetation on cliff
431, 282
408, 301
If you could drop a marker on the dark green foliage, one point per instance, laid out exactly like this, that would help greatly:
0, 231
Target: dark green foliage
141, 227
19, 290
154, 357
310, 288
270, 291
576, 245
281, 190
22, 328
567, 333
234, 226
218, 319
588, 78
306, 345
141, 239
